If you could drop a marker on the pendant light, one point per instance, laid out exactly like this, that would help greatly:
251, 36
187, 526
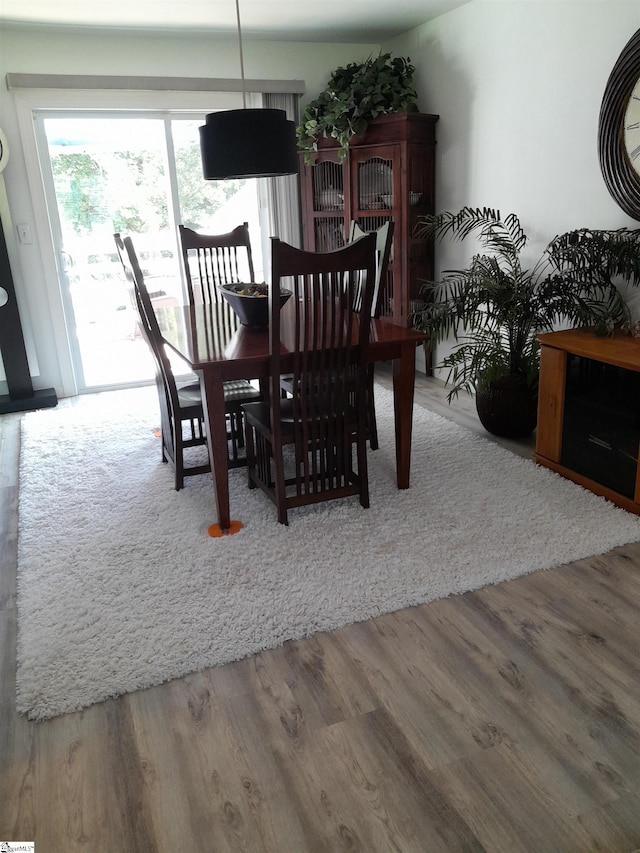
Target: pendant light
247, 143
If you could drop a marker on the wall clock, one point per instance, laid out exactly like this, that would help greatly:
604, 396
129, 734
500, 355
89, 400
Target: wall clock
4, 150
4, 156
619, 130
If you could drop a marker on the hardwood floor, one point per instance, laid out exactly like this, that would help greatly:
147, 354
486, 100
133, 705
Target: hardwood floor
503, 720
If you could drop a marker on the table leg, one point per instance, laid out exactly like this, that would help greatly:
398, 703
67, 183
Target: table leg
213, 403
403, 382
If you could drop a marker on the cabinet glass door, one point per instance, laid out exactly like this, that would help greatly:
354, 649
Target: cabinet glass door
375, 190
377, 198
328, 206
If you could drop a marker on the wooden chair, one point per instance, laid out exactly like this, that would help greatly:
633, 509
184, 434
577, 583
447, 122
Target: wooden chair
214, 259
384, 240
180, 404
300, 449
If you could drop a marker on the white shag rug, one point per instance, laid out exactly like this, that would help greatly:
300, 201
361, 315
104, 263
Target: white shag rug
120, 588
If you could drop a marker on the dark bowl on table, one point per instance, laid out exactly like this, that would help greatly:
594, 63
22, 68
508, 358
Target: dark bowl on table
251, 302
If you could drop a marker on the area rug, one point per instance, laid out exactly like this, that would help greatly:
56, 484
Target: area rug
120, 588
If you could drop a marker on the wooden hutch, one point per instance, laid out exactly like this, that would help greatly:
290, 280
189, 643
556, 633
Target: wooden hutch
387, 173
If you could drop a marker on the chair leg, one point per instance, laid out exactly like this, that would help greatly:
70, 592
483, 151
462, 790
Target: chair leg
363, 475
233, 436
279, 486
250, 452
239, 428
178, 456
372, 426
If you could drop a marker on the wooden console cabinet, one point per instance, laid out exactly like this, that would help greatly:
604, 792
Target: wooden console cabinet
589, 412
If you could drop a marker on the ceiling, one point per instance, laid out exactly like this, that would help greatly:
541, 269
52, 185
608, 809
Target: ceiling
301, 20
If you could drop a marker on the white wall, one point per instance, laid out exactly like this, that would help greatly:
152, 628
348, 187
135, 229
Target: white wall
518, 86
52, 50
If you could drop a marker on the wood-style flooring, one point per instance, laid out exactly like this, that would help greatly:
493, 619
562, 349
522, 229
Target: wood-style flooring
503, 720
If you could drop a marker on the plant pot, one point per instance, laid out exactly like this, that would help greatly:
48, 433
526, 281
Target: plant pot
508, 406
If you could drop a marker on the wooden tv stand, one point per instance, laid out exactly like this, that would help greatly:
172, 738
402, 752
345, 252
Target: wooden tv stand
589, 412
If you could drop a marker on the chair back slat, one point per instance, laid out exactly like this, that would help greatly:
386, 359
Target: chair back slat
214, 259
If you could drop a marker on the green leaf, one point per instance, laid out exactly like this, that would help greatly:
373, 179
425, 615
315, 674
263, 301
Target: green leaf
354, 95
495, 308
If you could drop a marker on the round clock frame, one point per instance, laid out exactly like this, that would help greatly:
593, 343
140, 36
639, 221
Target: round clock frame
620, 173
4, 150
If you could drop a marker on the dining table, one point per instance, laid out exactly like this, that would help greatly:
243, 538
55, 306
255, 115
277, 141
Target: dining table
218, 348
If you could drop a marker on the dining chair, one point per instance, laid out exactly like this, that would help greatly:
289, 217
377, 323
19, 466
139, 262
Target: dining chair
300, 450
384, 241
181, 410
214, 259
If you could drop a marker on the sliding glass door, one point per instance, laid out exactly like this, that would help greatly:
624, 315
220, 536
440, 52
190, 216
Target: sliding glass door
139, 174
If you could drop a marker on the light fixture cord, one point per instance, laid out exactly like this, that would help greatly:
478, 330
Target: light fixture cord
244, 94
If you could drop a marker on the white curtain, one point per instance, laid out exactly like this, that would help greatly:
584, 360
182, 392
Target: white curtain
284, 192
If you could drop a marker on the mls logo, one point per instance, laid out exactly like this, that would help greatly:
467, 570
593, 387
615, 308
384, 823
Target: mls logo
17, 846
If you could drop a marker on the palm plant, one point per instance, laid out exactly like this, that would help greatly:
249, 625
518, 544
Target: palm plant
496, 307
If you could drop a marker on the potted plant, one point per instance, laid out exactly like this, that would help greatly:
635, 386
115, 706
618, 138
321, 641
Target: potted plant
354, 95
496, 307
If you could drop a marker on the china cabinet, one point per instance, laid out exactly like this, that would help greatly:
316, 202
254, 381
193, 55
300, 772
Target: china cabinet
388, 173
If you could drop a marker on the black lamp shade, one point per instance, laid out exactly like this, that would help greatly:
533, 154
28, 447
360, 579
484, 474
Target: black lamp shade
248, 143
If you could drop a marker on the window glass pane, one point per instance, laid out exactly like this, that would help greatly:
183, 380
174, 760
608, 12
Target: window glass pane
213, 207
110, 174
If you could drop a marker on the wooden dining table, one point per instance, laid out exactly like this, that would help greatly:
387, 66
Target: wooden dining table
218, 348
